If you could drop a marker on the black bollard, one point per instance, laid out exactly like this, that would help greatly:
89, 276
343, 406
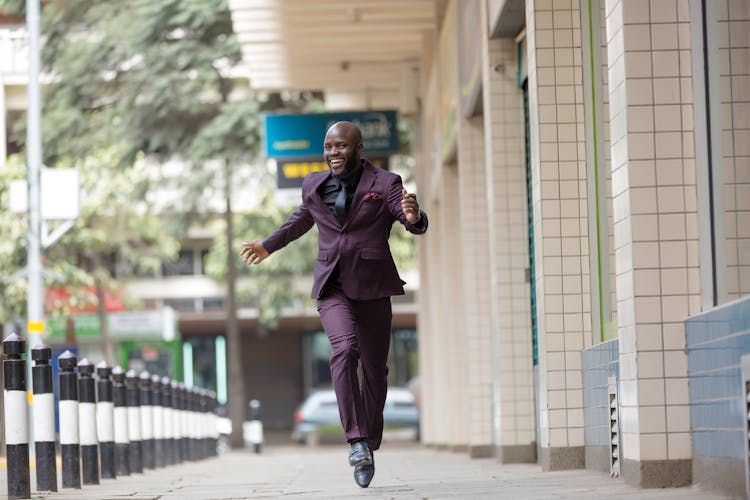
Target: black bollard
191, 424
68, 408
166, 402
16, 418
134, 422
204, 423
122, 443
147, 420
44, 419
176, 422
105, 420
87, 422
213, 405
183, 411
158, 411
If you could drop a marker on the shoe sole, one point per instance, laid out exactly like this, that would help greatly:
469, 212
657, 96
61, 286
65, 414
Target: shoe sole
364, 461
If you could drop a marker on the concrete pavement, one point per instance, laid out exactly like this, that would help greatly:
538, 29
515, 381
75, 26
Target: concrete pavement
403, 472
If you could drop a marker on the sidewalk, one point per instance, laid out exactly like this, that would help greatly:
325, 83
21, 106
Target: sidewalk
403, 472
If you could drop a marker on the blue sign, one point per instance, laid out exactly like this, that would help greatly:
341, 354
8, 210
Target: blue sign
289, 136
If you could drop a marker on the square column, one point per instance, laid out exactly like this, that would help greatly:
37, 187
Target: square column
474, 241
560, 219
656, 232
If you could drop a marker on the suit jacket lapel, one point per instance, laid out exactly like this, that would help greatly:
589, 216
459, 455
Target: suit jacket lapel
319, 199
369, 173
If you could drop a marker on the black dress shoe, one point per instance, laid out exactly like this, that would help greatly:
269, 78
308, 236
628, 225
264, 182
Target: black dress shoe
359, 454
363, 473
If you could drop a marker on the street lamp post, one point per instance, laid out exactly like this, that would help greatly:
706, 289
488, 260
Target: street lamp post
35, 313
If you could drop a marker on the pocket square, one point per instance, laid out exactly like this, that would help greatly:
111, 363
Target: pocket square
372, 196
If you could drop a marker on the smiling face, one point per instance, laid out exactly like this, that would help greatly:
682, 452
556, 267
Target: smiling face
342, 148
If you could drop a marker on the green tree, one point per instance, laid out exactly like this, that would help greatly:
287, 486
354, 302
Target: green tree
153, 79
111, 228
12, 248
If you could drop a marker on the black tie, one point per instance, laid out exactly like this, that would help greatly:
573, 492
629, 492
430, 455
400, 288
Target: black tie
339, 206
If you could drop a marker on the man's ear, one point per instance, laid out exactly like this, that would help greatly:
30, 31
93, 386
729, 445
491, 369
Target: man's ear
360, 148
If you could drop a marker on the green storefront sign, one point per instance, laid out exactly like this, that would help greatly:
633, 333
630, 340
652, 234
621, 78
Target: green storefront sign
84, 325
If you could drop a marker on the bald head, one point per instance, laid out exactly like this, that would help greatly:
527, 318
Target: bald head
346, 128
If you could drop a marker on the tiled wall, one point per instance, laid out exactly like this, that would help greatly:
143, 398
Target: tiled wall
733, 29
558, 162
599, 363
716, 340
509, 255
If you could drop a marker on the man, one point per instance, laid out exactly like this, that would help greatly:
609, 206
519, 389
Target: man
354, 206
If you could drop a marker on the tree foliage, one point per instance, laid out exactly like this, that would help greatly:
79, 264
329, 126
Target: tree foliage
135, 85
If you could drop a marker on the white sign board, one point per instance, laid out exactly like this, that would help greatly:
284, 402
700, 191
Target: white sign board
143, 324
60, 199
288, 197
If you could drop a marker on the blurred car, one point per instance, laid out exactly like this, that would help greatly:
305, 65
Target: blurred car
318, 415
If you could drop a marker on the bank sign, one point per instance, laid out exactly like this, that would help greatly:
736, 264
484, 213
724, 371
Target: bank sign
301, 136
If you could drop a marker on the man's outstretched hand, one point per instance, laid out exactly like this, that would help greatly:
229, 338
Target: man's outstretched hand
410, 206
253, 252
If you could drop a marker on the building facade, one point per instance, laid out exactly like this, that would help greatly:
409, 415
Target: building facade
586, 168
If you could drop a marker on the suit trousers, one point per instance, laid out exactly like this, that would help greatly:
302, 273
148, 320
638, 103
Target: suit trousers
360, 335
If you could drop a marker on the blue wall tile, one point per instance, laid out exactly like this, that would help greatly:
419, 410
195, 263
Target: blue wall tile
716, 340
719, 443
599, 363
716, 384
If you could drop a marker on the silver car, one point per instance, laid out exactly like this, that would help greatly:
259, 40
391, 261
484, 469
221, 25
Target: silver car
318, 416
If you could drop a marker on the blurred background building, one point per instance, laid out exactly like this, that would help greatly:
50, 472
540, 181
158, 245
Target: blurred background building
583, 296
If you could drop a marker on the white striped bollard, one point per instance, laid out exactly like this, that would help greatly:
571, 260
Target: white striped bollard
43, 405
122, 429
134, 422
176, 422
68, 408
158, 410
87, 422
147, 420
16, 417
255, 426
105, 420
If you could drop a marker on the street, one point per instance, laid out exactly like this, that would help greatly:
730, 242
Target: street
403, 471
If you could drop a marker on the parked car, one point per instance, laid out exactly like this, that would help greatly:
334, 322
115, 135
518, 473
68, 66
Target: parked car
318, 415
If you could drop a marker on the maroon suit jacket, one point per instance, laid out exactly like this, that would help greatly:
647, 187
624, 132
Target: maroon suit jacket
360, 246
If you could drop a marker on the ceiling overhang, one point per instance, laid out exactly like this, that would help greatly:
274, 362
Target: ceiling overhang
345, 45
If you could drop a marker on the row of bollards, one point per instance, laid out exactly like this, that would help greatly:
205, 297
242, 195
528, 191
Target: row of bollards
116, 424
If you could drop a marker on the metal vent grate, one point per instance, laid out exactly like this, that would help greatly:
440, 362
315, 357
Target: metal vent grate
614, 429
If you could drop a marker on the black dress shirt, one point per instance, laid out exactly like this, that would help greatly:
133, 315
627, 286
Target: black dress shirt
331, 187
329, 190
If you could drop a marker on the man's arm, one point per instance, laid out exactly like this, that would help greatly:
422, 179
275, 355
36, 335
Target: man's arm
296, 225
405, 208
